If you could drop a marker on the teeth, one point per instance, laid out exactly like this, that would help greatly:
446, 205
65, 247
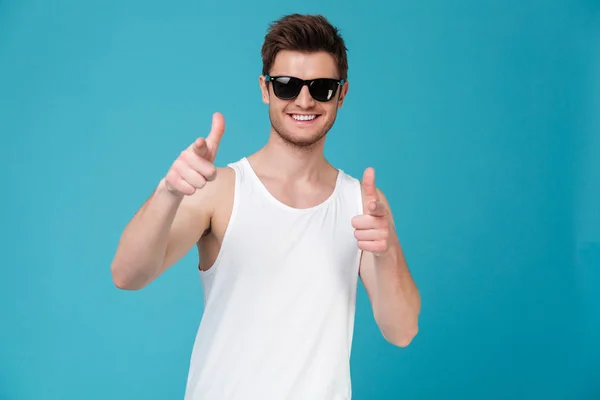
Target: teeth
302, 117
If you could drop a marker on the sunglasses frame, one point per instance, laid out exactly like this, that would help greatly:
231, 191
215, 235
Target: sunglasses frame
304, 82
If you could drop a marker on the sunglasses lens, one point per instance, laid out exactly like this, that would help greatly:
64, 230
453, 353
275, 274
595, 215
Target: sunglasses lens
323, 89
287, 87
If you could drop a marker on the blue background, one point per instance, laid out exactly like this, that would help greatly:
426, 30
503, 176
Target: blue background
482, 119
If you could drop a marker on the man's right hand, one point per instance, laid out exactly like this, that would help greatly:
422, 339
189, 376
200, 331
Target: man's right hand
194, 167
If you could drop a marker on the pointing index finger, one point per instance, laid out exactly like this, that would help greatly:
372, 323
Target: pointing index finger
376, 208
200, 147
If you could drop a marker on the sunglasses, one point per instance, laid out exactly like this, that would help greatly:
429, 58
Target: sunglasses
289, 87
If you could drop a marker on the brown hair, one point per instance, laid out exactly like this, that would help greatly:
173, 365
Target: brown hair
306, 33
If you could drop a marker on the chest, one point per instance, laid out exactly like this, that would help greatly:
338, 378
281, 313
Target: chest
293, 247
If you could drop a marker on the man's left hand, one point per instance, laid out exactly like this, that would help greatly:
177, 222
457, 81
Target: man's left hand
373, 228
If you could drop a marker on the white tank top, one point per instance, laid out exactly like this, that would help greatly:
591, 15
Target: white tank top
280, 299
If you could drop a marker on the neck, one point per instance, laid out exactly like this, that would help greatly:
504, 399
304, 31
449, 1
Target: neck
288, 161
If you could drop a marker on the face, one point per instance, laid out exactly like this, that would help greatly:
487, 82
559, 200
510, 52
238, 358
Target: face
303, 121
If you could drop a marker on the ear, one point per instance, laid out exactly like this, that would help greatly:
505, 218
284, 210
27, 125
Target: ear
343, 93
264, 89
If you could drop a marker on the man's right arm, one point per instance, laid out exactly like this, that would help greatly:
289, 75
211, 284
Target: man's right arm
173, 219
164, 229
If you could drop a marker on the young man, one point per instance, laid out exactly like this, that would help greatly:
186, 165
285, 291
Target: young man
282, 236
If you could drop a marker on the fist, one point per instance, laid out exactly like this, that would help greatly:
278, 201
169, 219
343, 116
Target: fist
372, 228
194, 167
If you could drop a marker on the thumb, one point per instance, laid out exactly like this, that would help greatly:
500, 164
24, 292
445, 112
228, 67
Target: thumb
216, 132
369, 189
368, 183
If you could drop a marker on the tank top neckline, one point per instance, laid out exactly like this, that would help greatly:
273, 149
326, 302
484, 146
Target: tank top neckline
287, 207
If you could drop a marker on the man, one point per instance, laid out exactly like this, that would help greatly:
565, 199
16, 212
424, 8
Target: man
282, 236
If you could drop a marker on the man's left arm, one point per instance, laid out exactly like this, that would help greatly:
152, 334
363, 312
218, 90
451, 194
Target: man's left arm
384, 272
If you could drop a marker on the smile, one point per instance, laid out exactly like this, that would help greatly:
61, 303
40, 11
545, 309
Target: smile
304, 117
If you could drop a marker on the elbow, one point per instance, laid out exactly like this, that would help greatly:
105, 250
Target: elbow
122, 280
405, 339
124, 285
400, 336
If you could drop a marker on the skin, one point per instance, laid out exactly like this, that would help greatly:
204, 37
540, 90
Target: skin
191, 206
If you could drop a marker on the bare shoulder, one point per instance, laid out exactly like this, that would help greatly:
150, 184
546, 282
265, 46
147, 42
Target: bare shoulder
221, 189
207, 199
225, 177
213, 200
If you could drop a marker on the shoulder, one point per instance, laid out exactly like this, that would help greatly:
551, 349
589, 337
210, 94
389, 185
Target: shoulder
221, 186
206, 200
225, 178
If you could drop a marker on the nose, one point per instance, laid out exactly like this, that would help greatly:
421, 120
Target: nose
304, 99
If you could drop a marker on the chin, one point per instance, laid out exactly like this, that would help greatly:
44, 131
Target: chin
301, 138
303, 129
